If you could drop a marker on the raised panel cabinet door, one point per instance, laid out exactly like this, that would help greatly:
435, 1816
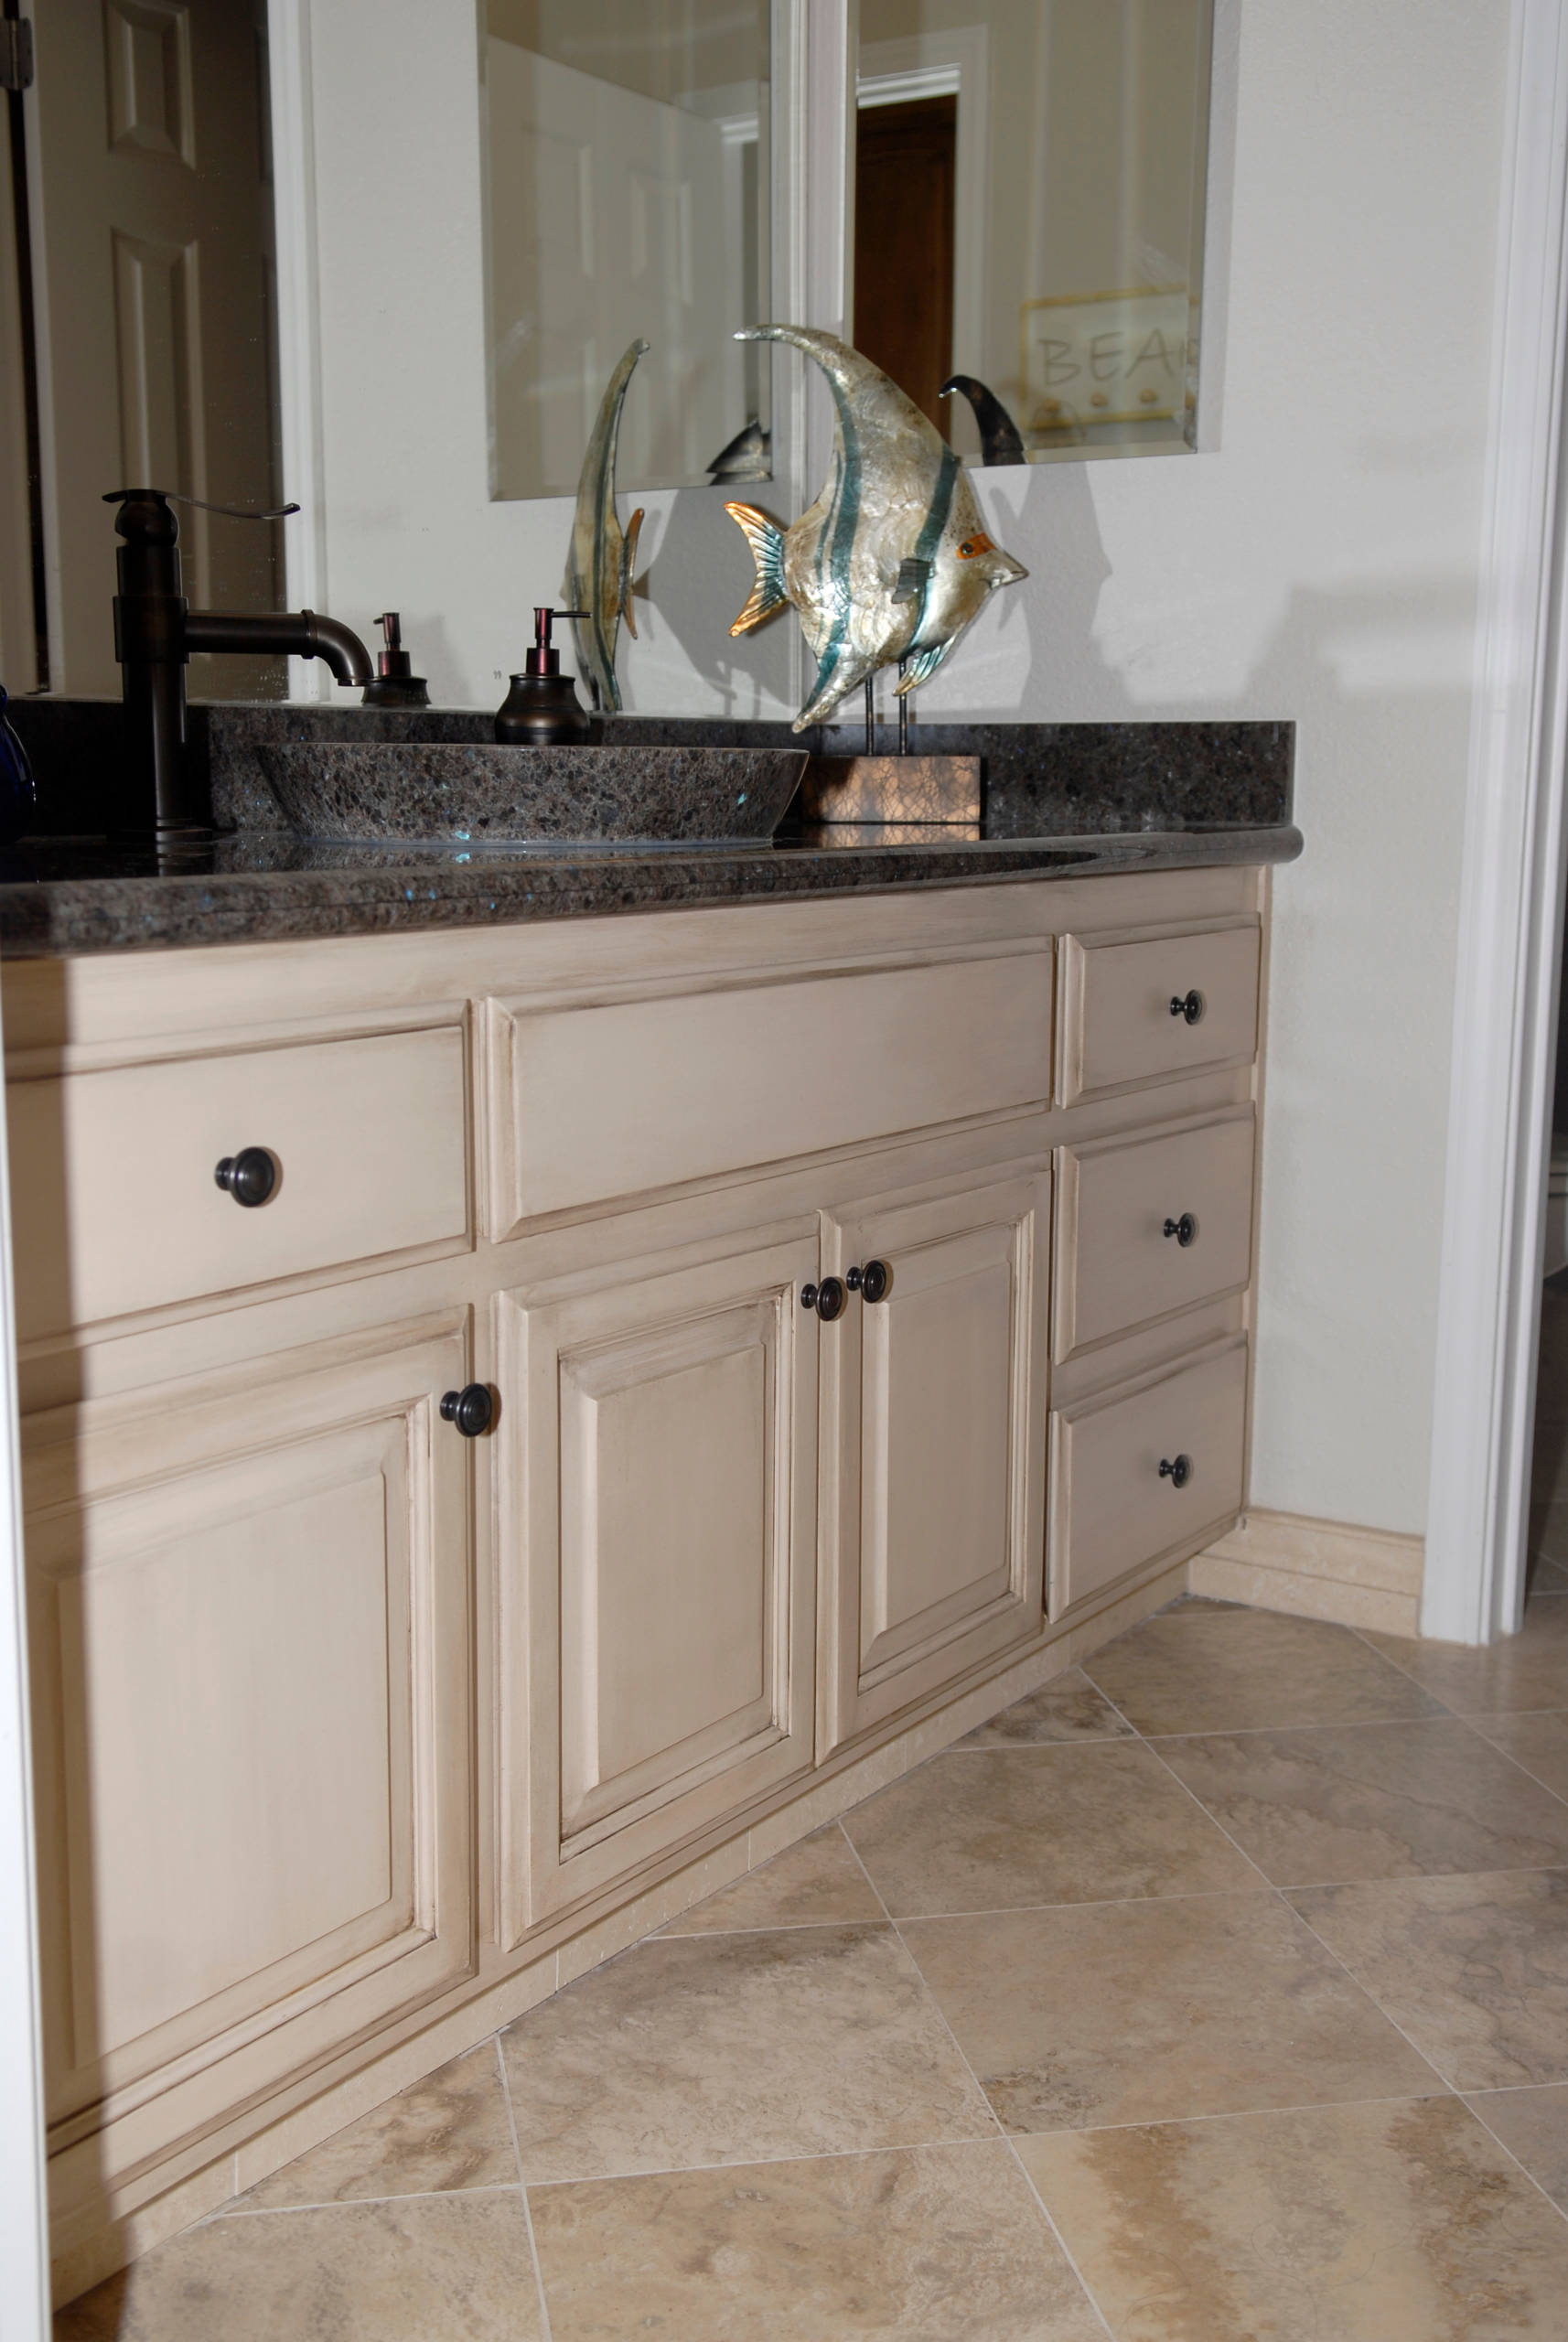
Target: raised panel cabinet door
934, 1446
657, 1563
250, 1679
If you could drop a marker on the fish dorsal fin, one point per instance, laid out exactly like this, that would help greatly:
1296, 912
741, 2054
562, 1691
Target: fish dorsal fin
766, 539
628, 565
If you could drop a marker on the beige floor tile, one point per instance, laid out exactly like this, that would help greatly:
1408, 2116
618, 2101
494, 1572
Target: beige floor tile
1534, 2126
1066, 1708
817, 1882
431, 2269
925, 2244
1474, 1970
1145, 2012
1002, 1828
1373, 1800
730, 2049
1196, 1670
1539, 1743
1393, 2223
1529, 1670
446, 2133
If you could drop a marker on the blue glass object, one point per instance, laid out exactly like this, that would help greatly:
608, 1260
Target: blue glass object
18, 794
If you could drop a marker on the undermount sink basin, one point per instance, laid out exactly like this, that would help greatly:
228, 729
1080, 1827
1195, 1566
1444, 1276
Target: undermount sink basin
479, 793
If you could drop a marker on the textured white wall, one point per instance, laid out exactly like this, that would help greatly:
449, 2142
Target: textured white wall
1320, 564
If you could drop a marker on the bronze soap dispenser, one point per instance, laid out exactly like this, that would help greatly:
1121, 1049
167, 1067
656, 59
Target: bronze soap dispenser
543, 707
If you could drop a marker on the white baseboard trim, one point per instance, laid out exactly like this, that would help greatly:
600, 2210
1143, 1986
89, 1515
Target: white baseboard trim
1316, 1569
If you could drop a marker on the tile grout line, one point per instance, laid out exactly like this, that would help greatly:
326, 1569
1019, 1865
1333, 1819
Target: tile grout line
357, 2203
1448, 2088
1360, 1635
1062, 2245
1000, 2129
522, 2190
1560, 2210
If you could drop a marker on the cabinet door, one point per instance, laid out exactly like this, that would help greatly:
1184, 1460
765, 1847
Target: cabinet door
657, 1560
250, 1677
934, 1474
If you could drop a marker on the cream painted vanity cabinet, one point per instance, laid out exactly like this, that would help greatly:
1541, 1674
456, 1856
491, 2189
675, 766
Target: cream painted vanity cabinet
863, 1290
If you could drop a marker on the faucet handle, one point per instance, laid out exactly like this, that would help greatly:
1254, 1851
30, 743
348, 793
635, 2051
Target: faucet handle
173, 496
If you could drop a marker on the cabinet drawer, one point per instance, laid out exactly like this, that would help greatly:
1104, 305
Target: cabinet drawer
1149, 1225
116, 1207
1111, 1506
1124, 1020
612, 1099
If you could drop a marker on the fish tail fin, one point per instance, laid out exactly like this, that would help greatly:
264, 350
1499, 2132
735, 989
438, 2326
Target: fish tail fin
766, 539
628, 565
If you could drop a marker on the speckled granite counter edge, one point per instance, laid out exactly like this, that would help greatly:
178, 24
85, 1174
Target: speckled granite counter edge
52, 918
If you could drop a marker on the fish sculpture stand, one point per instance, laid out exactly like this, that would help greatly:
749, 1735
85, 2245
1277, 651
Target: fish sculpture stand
892, 562
597, 585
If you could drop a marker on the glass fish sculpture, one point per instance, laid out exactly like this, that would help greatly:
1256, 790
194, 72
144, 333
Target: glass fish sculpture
599, 564
892, 561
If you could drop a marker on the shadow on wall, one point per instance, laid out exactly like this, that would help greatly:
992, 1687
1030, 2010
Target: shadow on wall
698, 573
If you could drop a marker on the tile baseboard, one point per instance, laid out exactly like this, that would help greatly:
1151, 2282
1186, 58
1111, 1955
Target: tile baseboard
1316, 1569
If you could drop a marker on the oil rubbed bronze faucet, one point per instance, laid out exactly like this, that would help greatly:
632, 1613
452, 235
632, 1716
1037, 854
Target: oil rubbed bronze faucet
154, 633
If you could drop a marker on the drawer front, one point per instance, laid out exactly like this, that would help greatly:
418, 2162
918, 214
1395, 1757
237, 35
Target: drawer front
116, 1207
1150, 1225
1119, 1027
1112, 1508
598, 1103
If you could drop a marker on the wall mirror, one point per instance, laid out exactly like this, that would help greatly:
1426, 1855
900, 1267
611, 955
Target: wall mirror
1028, 185
628, 151
381, 256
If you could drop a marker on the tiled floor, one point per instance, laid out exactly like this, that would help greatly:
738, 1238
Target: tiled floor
1217, 1994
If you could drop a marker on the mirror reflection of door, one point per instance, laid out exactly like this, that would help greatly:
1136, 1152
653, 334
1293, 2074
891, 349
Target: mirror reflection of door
904, 168
154, 305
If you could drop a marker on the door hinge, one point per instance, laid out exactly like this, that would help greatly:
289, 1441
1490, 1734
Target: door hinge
16, 53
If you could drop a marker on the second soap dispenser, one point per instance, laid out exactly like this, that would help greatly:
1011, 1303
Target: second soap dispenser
542, 708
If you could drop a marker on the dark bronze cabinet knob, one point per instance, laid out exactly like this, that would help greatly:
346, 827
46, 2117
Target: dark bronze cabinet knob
1179, 1473
1188, 1004
472, 1409
249, 1176
1184, 1230
827, 1298
873, 1282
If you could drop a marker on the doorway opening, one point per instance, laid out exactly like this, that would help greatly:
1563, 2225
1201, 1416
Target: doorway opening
906, 168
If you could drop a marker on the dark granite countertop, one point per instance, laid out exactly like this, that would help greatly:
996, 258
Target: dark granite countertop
1081, 800
83, 894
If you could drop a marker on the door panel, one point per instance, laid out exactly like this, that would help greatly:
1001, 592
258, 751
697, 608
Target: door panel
250, 1683
156, 310
658, 1563
935, 1407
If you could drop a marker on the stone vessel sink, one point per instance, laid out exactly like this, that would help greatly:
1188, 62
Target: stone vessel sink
478, 793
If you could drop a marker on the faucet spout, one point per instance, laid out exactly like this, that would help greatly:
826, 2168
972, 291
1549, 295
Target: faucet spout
301, 634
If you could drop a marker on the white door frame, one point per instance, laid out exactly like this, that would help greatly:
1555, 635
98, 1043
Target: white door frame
1505, 1010
24, 2211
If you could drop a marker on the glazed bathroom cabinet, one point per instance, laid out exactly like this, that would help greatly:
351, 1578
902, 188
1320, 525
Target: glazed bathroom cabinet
862, 1291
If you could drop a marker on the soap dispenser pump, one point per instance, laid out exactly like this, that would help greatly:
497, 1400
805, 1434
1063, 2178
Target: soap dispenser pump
543, 707
394, 683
